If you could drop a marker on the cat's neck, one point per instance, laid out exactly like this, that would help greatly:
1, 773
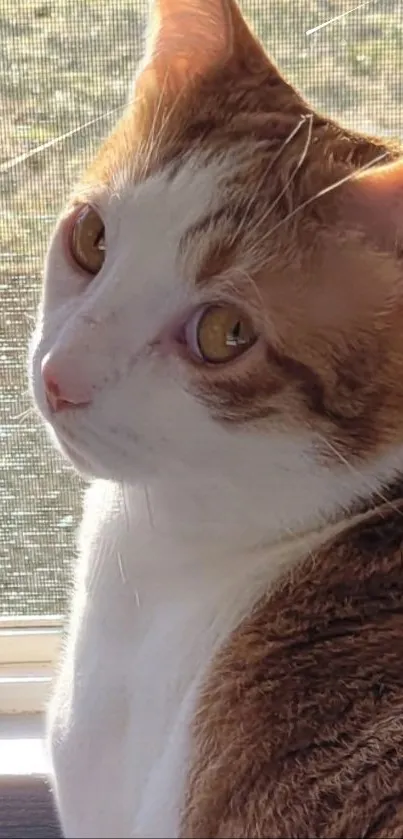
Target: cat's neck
195, 519
138, 519
184, 526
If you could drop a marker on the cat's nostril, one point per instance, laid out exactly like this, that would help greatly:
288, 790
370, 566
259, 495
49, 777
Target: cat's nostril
63, 389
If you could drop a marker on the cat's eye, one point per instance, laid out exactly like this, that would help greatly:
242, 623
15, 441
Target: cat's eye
87, 239
219, 333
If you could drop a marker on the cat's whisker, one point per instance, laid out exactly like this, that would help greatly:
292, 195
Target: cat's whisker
95, 572
374, 491
155, 148
122, 570
253, 253
151, 140
21, 418
291, 178
339, 17
149, 507
126, 512
97, 435
21, 158
243, 222
322, 192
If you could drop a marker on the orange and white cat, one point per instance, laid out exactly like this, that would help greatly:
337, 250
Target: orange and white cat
219, 349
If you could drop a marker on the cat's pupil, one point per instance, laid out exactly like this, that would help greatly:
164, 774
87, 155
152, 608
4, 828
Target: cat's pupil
100, 240
234, 336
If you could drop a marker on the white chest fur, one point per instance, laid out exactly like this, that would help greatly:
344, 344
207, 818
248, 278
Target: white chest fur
145, 624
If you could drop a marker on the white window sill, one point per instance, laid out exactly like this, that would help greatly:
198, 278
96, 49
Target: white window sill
29, 650
24, 689
22, 749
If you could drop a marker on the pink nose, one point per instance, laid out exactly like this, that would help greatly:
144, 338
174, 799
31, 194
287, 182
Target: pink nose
63, 387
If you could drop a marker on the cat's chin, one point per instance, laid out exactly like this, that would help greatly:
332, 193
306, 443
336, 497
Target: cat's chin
82, 462
89, 467
79, 463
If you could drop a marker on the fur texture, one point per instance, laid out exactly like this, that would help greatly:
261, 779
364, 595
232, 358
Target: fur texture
210, 482
306, 736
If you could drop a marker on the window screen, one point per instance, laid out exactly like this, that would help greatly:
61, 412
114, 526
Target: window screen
65, 70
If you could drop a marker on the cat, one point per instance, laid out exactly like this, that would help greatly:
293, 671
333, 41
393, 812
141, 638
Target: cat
219, 351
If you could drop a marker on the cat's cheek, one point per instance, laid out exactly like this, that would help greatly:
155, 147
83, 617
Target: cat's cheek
243, 390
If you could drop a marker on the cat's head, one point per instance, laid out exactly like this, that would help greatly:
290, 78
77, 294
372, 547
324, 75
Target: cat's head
222, 313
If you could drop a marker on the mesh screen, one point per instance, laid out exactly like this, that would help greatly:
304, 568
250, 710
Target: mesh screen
64, 66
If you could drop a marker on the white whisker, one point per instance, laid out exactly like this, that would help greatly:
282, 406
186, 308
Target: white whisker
127, 522
149, 507
153, 144
289, 181
122, 570
20, 418
359, 474
322, 192
154, 122
95, 571
261, 181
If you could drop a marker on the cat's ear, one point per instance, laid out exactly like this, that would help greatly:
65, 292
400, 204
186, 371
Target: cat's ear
375, 204
188, 38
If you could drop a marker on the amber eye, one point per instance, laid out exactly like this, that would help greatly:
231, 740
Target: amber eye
87, 239
219, 333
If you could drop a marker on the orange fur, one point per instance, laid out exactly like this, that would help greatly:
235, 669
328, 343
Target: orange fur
299, 728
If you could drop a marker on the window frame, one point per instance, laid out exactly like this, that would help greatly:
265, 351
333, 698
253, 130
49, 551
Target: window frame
29, 650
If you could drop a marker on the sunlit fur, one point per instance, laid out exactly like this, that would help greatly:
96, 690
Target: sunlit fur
209, 480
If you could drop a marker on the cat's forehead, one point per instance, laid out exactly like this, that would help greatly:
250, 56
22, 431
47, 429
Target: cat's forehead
179, 194
189, 207
175, 211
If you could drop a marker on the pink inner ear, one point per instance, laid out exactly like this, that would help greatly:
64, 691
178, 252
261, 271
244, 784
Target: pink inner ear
187, 38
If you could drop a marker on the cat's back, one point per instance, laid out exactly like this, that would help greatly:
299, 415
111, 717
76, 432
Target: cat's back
299, 730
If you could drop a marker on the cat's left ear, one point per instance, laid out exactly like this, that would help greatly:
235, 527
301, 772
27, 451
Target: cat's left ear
375, 204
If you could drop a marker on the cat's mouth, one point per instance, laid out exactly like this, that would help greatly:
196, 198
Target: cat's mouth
72, 438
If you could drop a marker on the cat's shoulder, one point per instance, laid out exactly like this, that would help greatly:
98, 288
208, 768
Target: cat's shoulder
301, 718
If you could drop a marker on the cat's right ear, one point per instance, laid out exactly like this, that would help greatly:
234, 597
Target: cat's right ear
189, 38
185, 37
